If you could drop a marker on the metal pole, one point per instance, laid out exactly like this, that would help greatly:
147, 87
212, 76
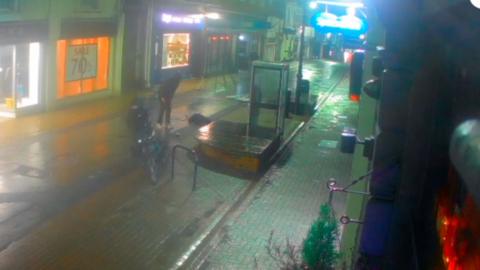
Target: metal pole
300, 60
14, 79
172, 172
195, 160
195, 157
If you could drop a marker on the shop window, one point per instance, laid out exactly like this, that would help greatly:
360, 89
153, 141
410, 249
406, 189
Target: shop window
19, 76
176, 50
82, 65
8, 5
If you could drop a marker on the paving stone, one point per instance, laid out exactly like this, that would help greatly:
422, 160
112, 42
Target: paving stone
290, 203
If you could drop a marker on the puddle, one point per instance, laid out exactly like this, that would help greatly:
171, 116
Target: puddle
28, 171
328, 144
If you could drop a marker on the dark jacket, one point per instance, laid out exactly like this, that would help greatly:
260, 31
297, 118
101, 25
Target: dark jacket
169, 87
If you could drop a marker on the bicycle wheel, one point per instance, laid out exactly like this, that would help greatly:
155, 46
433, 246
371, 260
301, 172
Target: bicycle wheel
153, 170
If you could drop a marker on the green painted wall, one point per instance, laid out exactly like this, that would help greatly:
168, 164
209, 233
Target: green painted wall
366, 127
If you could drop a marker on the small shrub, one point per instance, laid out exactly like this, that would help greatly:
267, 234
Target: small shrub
319, 251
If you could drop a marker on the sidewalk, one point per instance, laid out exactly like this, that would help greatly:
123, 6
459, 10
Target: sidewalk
22, 127
64, 182
124, 222
288, 200
99, 210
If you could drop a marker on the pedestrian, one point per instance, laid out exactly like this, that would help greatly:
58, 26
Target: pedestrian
167, 91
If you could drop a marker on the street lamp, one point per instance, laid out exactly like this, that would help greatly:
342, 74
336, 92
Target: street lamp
300, 61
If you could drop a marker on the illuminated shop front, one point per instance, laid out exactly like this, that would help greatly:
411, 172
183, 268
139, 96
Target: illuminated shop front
82, 66
177, 41
20, 76
175, 50
83, 56
51, 64
220, 53
233, 42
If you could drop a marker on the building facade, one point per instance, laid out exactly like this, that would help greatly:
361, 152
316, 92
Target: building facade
56, 53
197, 38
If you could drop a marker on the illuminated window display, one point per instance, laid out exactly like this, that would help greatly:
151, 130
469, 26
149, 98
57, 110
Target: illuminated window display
82, 65
19, 76
176, 50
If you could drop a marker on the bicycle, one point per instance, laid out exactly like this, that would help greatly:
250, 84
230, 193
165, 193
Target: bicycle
149, 148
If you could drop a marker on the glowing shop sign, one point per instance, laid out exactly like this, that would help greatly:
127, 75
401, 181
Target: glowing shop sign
333, 22
81, 62
189, 19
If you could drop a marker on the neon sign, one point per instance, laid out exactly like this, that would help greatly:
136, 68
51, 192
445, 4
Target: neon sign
344, 22
328, 22
188, 19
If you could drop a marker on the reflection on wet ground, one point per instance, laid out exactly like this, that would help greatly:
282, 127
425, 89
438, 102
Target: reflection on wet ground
79, 188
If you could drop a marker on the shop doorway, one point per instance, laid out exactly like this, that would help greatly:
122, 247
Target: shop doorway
219, 55
19, 77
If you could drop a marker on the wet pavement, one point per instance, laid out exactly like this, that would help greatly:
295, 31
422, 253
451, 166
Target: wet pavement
288, 199
71, 195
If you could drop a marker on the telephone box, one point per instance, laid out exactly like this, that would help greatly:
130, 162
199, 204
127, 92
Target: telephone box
249, 146
268, 92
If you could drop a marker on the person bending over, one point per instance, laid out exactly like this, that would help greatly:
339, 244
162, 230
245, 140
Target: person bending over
167, 91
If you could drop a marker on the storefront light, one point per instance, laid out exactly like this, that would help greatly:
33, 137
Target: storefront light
166, 18
189, 19
213, 16
339, 3
33, 72
176, 50
313, 5
82, 65
344, 22
242, 38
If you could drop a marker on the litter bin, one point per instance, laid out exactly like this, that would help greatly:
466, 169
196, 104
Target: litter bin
303, 97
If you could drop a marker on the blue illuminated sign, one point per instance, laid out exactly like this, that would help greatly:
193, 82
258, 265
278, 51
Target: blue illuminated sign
348, 24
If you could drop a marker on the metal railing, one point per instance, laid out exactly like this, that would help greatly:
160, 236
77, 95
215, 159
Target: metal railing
194, 155
333, 187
